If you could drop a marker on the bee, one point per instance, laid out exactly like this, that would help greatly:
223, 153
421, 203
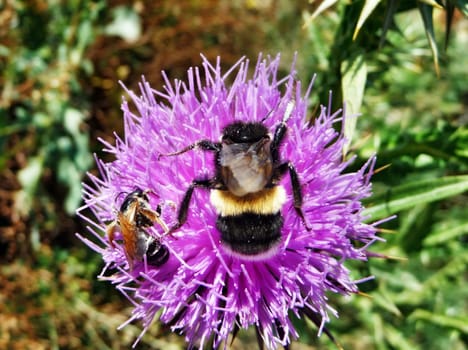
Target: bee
134, 217
245, 190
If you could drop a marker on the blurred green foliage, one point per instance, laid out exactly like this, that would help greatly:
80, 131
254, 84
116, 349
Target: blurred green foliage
44, 138
415, 118
60, 62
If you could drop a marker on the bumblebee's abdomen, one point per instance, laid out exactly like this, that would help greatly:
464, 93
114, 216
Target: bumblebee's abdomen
250, 233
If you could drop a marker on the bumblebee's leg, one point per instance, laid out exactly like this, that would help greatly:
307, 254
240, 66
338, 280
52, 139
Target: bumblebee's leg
158, 210
296, 187
184, 205
280, 132
205, 145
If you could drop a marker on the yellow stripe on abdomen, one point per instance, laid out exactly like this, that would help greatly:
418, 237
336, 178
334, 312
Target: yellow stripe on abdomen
267, 201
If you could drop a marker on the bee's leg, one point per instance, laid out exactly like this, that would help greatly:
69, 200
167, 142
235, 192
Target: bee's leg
158, 210
205, 145
155, 216
184, 205
129, 260
110, 232
296, 187
280, 132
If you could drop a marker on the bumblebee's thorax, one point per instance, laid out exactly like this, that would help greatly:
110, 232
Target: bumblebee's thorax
246, 168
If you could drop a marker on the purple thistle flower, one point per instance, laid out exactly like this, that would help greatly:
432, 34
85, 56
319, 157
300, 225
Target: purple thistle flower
204, 290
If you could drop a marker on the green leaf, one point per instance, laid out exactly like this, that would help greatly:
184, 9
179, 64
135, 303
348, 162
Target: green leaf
446, 234
396, 338
324, 5
126, 24
368, 8
388, 19
417, 192
29, 178
452, 270
426, 14
4, 51
432, 3
462, 5
69, 175
449, 13
452, 321
72, 120
385, 301
353, 82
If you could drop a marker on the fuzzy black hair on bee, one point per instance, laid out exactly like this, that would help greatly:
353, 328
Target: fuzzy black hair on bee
246, 190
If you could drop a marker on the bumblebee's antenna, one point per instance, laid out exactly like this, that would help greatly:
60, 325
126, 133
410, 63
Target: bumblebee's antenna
287, 113
271, 111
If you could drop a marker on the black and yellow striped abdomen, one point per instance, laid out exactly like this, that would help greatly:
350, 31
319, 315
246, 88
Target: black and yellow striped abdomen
250, 225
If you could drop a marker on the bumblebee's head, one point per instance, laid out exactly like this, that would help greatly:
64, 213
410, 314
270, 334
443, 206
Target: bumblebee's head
240, 132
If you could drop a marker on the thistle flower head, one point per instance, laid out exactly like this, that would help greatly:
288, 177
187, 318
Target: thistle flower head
204, 290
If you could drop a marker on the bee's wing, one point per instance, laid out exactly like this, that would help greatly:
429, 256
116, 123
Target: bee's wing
131, 211
110, 232
129, 236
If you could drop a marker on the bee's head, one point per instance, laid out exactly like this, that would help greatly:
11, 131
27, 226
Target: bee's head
240, 132
136, 195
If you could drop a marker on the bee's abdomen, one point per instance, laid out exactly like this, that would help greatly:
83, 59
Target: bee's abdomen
157, 254
250, 233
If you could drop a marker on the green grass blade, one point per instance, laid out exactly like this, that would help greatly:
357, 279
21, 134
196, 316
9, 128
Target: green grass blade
418, 192
446, 234
452, 321
369, 7
462, 5
388, 19
354, 73
426, 14
324, 5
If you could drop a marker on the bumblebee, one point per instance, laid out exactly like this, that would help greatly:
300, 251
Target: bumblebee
245, 189
133, 218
